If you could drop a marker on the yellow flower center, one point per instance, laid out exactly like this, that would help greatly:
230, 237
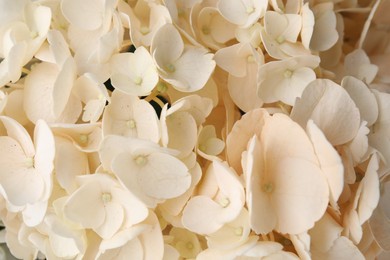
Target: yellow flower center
144, 30
268, 187
202, 147
83, 138
205, 30
238, 231
138, 81
170, 68
224, 202
250, 9
280, 39
189, 245
162, 87
131, 124
106, 197
140, 160
287, 74
30, 162
33, 34
250, 59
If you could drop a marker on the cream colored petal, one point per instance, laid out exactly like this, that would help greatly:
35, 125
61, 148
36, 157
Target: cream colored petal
261, 221
341, 121
87, 15
191, 71
182, 132
66, 172
324, 233
44, 149
208, 143
135, 210
112, 222
234, 59
19, 133
329, 160
85, 206
201, 215
163, 176
38, 90
369, 196
243, 90
232, 234
230, 188
12, 104
113, 145
342, 249
325, 34
35, 213
233, 11
307, 25
303, 199
152, 179
167, 45
251, 123
123, 237
358, 65
362, 97
18, 174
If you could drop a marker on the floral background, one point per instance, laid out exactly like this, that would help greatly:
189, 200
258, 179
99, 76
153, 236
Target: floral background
195, 129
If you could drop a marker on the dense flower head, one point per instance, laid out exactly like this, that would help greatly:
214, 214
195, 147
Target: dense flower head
195, 129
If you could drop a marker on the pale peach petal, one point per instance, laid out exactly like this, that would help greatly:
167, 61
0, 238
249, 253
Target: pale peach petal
261, 221
86, 15
362, 97
369, 196
324, 233
329, 160
324, 32
339, 124
85, 206
251, 123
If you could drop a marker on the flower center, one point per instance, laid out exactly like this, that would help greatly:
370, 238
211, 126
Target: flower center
205, 30
30, 162
33, 34
106, 197
170, 68
224, 202
250, 9
138, 81
268, 187
162, 87
202, 147
287, 74
144, 30
140, 160
131, 124
189, 245
83, 138
280, 39
238, 231
250, 59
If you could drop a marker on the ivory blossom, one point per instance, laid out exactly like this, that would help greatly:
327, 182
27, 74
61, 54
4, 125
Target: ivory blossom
194, 129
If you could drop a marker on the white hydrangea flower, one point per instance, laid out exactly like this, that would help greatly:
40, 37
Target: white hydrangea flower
155, 174
187, 68
243, 13
285, 80
102, 204
134, 73
205, 215
26, 175
128, 115
23, 29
